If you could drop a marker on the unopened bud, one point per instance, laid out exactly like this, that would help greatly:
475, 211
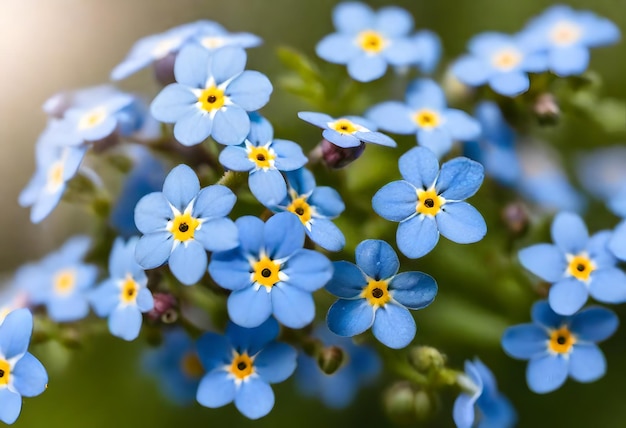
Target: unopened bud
329, 359
165, 308
426, 358
515, 217
547, 109
399, 403
338, 157
164, 69
426, 405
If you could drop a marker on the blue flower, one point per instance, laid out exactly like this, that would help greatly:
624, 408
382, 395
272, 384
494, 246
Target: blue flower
21, 374
176, 366
264, 159
428, 202
315, 207
366, 41
426, 114
576, 265
183, 222
270, 273
124, 295
348, 131
566, 36
373, 294
500, 60
485, 407
212, 96
61, 281
361, 366
428, 47
560, 346
241, 365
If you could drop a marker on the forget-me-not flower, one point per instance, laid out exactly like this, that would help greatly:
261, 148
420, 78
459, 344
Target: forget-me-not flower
560, 346
21, 374
183, 222
373, 294
485, 406
212, 96
124, 295
241, 365
427, 115
576, 265
367, 40
270, 273
429, 202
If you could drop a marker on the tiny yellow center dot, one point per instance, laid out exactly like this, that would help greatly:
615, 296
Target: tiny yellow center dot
561, 340
211, 98
183, 227
130, 288
64, 281
426, 118
371, 41
300, 207
55, 176
344, 126
191, 366
265, 272
428, 202
242, 366
580, 267
506, 59
5, 372
376, 292
92, 118
261, 156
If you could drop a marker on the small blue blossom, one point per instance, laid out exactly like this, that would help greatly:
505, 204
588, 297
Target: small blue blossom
241, 365
429, 202
270, 273
428, 46
560, 346
485, 407
426, 114
348, 131
566, 36
500, 60
315, 207
62, 281
264, 159
373, 294
176, 366
212, 96
361, 366
576, 265
183, 222
21, 374
366, 41
124, 295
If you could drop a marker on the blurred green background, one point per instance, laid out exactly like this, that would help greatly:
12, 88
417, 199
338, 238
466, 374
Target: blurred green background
52, 45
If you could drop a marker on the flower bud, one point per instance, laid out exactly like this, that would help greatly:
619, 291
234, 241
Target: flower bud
337, 157
330, 358
399, 403
426, 359
515, 217
547, 109
165, 308
164, 69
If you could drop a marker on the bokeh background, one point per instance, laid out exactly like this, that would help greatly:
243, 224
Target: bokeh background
51, 45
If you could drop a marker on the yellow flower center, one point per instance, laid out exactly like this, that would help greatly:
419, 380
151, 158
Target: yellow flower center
55, 176
565, 33
345, 126
506, 59
428, 202
300, 207
580, 266
426, 118
64, 281
266, 272
5, 372
130, 288
212, 42
376, 292
211, 98
183, 226
262, 156
191, 366
242, 365
92, 118
561, 340
371, 41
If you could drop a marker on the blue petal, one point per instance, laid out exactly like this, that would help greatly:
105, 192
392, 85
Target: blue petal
251, 234
352, 17
569, 232
29, 376
192, 66
231, 125
181, 186
337, 48
425, 93
152, 213
414, 290
347, 281
289, 155
327, 201
417, 237
214, 351
235, 158
546, 261
250, 90
460, 178
188, 262
70, 308
471, 71
283, 235
226, 63
193, 128
15, 333
293, 307
393, 21
438, 140
218, 234
395, 201
105, 298
268, 186
173, 103
394, 326
276, 362
463, 411
617, 243
461, 125
511, 83
254, 399
402, 52
377, 259
154, 249
318, 119
11, 405
393, 116
546, 373
524, 341
350, 317
308, 270
419, 166
125, 323
461, 223
586, 363
339, 139
216, 389
594, 324
608, 285
325, 234
542, 314
569, 60
254, 339
365, 68
375, 138
145, 301
567, 296
598, 250
214, 201
249, 308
